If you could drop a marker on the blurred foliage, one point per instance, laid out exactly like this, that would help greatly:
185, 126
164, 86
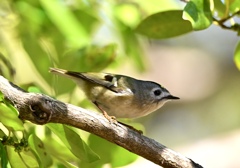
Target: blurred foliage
170, 20
84, 36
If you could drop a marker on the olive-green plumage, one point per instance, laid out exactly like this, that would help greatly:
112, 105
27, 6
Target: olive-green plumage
118, 95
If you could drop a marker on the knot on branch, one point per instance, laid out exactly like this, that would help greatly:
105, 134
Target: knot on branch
36, 109
40, 116
40, 109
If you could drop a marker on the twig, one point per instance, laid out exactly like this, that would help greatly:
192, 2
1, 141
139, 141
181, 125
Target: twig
234, 27
42, 109
228, 17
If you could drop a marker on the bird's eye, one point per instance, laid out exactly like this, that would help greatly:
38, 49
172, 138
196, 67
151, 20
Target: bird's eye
157, 92
108, 78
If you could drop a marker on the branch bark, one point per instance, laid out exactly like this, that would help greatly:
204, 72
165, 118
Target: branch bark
42, 109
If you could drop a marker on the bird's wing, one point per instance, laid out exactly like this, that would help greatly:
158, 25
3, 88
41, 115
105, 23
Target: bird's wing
108, 81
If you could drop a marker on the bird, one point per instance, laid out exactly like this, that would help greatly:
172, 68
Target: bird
119, 96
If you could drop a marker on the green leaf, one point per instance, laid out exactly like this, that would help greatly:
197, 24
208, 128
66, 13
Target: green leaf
2, 134
64, 156
90, 58
66, 22
127, 157
37, 54
109, 153
37, 145
132, 45
27, 158
198, 13
34, 89
3, 155
237, 55
234, 6
164, 25
88, 17
14, 159
122, 13
1, 97
103, 148
9, 117
220, 8
36, 20
73, 142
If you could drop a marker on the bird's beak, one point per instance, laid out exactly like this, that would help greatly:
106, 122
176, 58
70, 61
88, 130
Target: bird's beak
171, 97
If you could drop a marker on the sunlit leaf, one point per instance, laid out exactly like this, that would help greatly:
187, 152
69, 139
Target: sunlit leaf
27, 158
198, 13
123, 10
38, 146
220, 7
164, 25
34, 89
9, 117
127, 157
14, 159
237, 55
66, 22
234, 6
2, 134
64, 156
79, 147
103, 148
73, 142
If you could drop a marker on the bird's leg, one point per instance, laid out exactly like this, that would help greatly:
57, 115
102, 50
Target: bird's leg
112, 119
109, 118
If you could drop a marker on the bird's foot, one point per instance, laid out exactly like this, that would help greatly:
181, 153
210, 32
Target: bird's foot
111, 119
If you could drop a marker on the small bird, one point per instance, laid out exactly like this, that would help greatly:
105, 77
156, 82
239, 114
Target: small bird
118, 95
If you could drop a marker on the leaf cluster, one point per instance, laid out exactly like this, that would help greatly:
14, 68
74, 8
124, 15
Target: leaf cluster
196, 15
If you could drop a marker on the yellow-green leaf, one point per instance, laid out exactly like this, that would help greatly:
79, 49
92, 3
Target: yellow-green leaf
237, 55
73, 142
164, 25
37, 145
9, 117
66, 22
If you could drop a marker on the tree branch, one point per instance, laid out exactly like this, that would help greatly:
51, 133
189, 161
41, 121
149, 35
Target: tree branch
42, 109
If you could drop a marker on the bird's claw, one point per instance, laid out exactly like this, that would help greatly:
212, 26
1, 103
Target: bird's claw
111, 119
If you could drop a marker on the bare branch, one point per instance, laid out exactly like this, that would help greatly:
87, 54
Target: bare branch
42, 109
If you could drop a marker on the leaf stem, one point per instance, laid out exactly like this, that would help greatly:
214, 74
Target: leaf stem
234, 27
